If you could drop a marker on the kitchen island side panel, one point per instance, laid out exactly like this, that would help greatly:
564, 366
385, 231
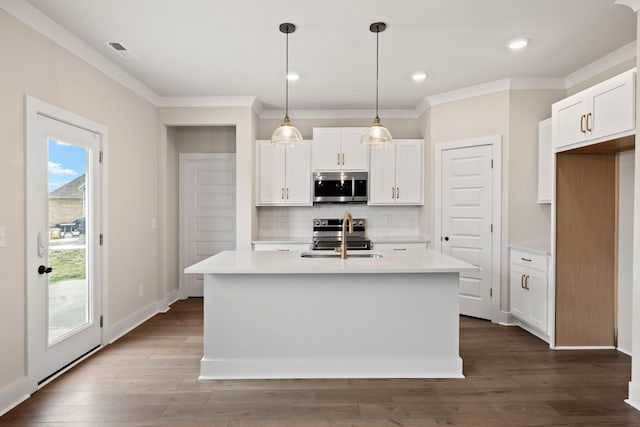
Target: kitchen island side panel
402, 325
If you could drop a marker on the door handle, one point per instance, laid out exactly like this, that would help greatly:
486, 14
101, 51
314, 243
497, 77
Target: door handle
397, 192
582, 124
522, 281
588, 117
526, 282
44, 270
42, 248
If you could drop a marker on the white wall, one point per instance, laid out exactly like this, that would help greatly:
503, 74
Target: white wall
626, 167
34, 65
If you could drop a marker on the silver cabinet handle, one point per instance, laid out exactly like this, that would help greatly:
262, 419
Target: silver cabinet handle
397, 192
582, 124
287, 193
393, 192
399, 249
526, 282
522, 281
588, 117
338, 159
282, 193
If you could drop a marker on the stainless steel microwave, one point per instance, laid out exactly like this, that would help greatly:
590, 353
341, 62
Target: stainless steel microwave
340, 187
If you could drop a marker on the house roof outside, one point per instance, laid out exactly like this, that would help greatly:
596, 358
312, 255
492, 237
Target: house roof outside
71, 190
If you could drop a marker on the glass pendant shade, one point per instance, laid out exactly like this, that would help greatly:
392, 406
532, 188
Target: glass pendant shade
286, 135
377, 135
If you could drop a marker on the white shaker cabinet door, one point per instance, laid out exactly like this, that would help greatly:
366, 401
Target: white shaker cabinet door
569, 121
298, 174
382, 176
409, 179
537, 288
518, 293
326, 149
271, 176
612, 105
354, 153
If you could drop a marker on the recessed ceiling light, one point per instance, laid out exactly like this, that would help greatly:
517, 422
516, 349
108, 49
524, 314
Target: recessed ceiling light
293, 77
419, 76
519, 43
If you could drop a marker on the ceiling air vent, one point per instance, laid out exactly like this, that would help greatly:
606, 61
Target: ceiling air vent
121, 50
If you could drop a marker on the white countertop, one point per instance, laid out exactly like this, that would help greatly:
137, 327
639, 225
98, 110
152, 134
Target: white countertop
539, 247
277, 262
374, 239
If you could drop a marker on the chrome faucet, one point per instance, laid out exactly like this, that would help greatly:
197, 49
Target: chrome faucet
347, 218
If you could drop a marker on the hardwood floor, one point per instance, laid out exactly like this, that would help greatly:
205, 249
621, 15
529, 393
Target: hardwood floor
149, 378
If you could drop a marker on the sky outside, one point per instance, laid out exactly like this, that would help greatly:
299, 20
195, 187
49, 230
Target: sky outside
66, 163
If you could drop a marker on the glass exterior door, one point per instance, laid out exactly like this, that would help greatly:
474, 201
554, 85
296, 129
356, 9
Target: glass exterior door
69, 303
64, 252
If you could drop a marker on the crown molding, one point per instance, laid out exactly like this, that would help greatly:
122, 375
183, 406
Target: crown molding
338, 114
41, 23
601, 65
633, 4
469, 92
207, 101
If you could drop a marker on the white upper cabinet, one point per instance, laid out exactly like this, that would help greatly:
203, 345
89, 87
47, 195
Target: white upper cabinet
339, 149
545, 160
604, 111
396, 174
284, 174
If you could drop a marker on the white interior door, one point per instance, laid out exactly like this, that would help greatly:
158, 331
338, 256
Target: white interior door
64, 222
467, 201
207, 213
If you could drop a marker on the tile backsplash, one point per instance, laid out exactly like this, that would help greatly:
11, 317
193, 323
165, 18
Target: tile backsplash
382, 221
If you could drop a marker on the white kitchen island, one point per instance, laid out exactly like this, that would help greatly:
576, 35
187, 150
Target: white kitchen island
279, 315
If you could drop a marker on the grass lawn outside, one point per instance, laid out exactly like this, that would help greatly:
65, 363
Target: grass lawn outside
67, 265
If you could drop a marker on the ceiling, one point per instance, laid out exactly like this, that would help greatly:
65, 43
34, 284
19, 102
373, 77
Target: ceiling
185, 48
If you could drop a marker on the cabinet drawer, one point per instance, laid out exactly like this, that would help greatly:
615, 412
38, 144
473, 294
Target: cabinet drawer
399, 247
529, 260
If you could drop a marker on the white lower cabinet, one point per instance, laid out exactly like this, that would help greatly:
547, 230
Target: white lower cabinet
281, 247
528, 282
399, 247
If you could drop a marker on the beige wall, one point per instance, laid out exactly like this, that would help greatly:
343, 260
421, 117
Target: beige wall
614, 71
34, 65
529, 221
472, 118
187, 139
244, 121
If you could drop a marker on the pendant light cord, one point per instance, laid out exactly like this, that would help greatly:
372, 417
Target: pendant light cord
286, 78
377, 71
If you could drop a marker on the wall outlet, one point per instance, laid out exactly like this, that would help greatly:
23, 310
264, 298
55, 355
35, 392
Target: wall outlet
141, 289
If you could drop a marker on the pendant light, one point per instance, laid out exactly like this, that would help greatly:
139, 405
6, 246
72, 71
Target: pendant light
286, 135
377, 135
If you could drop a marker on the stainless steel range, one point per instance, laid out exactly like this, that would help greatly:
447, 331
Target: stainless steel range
327, 234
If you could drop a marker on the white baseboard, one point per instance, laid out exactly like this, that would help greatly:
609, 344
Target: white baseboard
624, 350
165, 304
585, 347
15, 394
634, 394
502, 318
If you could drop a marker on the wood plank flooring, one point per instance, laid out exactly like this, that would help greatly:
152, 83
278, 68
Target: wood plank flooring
150, 378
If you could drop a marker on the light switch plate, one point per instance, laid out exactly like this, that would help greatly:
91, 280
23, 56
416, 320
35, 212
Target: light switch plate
3, 237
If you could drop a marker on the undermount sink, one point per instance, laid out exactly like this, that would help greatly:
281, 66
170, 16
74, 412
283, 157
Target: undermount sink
321, 254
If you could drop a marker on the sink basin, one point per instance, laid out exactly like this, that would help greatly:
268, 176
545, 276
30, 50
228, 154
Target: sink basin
322, 254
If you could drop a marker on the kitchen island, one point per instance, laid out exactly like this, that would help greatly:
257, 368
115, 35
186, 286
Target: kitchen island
282, 315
